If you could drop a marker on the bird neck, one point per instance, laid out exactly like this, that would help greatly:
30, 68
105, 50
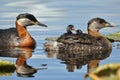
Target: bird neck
22, 58
25, 37
105, 42
94, 33
22, 31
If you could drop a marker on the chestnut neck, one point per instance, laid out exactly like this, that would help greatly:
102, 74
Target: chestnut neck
25, 38
105, 42
94, 33
22, 31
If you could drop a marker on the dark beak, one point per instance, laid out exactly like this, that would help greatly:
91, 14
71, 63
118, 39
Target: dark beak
40, 24
109, 25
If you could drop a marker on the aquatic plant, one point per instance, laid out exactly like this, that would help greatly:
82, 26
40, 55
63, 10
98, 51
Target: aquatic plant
115, 36
6, 68
106, 72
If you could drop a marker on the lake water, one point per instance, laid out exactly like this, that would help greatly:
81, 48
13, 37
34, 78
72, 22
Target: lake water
57, 14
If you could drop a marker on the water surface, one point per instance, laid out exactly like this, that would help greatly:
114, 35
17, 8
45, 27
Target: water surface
57, 15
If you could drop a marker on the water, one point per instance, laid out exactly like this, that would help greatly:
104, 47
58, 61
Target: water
57, 15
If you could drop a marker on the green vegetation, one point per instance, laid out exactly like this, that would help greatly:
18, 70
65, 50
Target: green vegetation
51, 38
6, 68
115, 36
106, 72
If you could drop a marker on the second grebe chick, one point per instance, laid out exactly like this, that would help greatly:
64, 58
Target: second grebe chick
19, 36
79, 32
69, 30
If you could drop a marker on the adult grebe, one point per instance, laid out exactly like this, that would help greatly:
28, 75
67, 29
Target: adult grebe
83, 41
19, 36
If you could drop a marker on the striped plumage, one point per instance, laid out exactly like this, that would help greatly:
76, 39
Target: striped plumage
91, 41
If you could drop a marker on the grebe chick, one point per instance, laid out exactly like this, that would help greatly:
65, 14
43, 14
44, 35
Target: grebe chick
70, 28
92, 40
79, 32
50, 46
19, 36
68, 34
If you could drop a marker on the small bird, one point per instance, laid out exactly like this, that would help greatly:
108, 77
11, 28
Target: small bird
49, 46
79, 32
19, 36
67, 35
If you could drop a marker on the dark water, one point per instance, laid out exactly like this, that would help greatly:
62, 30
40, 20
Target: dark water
57, 15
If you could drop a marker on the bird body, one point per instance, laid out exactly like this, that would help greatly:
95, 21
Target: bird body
9, 37
19, 36
82, 41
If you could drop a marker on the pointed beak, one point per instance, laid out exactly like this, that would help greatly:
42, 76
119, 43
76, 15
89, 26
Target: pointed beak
109, 25
40, 24
73, 29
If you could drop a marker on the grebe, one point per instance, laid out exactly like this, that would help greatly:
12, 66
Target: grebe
67, 35
83, 41
19, 36
53, 45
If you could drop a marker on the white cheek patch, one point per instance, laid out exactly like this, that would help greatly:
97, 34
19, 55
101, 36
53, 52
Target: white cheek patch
95, 26
24, 21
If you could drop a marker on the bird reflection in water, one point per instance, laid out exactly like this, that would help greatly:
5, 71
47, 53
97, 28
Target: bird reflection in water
77, 59
22, 68
22, 55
